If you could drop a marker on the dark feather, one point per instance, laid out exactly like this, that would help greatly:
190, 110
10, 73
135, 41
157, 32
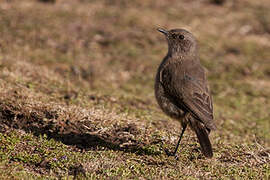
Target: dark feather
202, 135
187, 86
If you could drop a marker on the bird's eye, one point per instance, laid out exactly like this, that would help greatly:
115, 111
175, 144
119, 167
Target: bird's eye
181, 36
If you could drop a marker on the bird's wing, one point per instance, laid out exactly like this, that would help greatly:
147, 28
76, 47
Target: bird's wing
187, 87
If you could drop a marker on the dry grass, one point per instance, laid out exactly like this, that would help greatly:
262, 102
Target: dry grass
76, 89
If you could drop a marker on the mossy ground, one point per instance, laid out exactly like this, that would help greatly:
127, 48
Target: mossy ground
77, 98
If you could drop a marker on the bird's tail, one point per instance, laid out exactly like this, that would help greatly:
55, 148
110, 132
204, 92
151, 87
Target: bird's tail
202, 134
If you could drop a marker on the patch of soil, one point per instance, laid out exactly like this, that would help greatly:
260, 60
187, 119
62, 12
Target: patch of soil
81, 134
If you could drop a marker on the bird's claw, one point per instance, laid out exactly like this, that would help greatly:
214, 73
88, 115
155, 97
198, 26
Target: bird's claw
168, 153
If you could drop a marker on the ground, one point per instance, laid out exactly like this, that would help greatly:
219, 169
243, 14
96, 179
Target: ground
77, 97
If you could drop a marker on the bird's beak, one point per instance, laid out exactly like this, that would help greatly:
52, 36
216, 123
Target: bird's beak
163, 31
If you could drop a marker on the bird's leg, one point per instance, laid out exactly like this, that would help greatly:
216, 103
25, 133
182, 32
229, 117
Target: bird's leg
178, 143
183, 130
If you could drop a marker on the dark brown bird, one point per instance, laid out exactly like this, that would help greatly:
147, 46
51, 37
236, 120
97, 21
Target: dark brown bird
181, 88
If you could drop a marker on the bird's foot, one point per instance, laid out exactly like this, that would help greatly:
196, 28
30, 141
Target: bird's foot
168, 153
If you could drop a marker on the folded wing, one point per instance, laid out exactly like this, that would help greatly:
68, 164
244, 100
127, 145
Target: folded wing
187, 87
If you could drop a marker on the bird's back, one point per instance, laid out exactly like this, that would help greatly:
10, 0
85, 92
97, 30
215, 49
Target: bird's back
184, 82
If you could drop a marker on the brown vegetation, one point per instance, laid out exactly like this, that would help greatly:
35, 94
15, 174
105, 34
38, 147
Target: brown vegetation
77, 98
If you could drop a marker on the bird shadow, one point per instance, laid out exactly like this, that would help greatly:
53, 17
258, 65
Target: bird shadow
75, 134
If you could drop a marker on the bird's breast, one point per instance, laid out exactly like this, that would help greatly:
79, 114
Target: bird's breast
165, 102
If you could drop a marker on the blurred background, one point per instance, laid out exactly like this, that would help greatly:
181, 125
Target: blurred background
78, 67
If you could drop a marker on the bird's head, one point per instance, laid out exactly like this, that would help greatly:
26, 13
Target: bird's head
180, 42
